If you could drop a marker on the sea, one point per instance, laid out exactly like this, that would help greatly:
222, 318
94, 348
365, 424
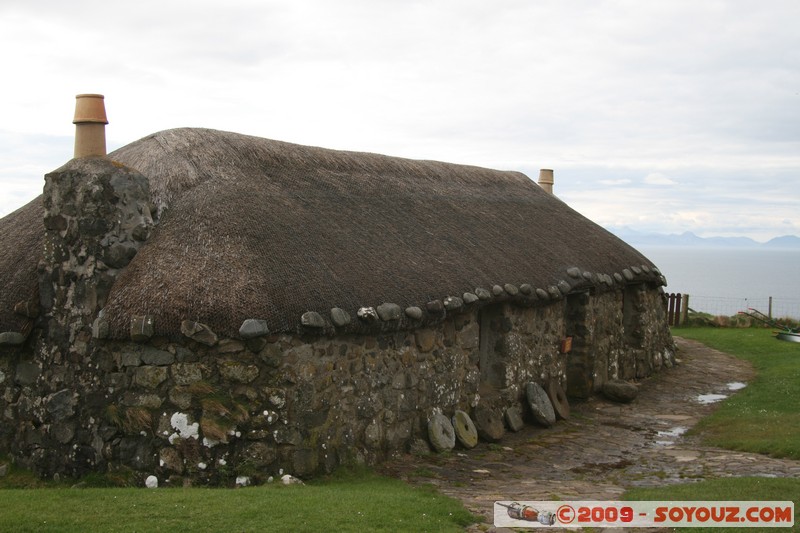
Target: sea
725, 281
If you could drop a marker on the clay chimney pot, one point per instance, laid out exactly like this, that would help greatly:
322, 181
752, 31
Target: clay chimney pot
90, 125
546, 179
90, 108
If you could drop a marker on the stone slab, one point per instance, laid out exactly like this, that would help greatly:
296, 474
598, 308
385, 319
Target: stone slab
540, 405
620, 391
513, 416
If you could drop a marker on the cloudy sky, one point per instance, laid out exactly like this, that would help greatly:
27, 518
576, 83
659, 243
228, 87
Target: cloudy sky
665, 116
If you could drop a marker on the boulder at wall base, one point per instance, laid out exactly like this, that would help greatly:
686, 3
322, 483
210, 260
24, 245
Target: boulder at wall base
441, 433
558, 398
419, 447
620, 391
489, 423
465, 430
541, 408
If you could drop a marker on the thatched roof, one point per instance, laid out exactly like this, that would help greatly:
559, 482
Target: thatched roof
255, 228
21, 247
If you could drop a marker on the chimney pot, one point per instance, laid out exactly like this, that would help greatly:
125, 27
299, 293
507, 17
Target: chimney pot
90, 125
546, 179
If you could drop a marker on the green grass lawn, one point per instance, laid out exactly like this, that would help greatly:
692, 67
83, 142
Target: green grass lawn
347, 502
764, 418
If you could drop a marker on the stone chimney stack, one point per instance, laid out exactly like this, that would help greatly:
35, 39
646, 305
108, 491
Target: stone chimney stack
90, 125
96, 217
546, 180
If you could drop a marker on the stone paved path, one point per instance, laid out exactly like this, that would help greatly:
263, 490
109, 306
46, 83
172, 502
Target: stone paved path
603, 448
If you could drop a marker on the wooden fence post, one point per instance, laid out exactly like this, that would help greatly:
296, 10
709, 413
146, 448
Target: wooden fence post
677, 308
685, 315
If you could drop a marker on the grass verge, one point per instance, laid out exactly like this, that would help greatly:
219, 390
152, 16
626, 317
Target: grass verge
348, 501
764, 416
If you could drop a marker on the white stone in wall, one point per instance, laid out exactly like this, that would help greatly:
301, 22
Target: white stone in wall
183, 429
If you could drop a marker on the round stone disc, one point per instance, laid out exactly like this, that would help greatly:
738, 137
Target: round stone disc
558, 398
489, 423
441, 433
540, 405
466, 433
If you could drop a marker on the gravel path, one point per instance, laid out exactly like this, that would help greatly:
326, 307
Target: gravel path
604, 447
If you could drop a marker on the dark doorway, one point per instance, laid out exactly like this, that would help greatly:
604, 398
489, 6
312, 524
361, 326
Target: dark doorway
493, 324
580, 363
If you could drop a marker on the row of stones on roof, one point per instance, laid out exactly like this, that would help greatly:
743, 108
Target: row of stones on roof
142, 328
627, 274
391, 312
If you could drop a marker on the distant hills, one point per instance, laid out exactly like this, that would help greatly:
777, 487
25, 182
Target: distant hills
689, 239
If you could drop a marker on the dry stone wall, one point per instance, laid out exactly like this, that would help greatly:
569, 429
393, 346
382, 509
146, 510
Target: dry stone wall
214, 412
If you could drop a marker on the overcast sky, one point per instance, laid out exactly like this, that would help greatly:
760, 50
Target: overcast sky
664, 116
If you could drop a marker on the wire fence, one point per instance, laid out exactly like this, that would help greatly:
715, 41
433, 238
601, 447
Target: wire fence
775, 307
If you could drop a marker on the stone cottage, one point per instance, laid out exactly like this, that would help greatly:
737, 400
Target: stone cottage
207, 305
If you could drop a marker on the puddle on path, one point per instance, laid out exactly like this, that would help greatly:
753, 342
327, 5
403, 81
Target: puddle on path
673, 432
706, 399
665, 438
